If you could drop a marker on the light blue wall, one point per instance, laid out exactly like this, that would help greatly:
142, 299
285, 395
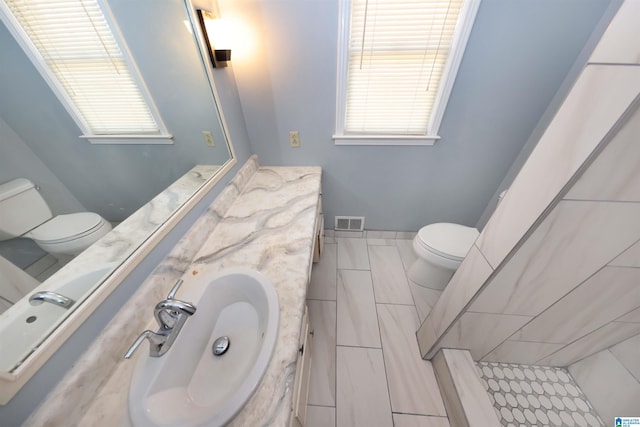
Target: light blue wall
115, 180
518, 54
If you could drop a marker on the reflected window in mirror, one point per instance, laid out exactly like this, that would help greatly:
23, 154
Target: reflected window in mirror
78, 50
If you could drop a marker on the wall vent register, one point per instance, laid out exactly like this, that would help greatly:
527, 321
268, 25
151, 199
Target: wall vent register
349, 223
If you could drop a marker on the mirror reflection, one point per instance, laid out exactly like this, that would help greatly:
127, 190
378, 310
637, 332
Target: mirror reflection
60, 195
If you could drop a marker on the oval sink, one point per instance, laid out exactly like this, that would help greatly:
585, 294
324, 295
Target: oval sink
189, 385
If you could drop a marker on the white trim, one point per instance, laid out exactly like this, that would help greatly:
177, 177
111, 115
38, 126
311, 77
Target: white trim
458, 46
129, 139
460, 39
394, 140
344, 16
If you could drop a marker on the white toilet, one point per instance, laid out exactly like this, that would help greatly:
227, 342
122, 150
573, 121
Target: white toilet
24, 213
440, 249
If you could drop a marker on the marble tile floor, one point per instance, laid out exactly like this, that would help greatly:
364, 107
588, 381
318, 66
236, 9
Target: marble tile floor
525, 395
366, 367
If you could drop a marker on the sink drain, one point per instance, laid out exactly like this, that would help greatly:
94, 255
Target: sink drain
220, 346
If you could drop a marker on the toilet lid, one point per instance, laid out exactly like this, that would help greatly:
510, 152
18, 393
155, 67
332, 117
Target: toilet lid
66, 227
451, 241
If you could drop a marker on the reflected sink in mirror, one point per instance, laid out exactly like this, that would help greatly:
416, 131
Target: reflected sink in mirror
189, 385
26, 323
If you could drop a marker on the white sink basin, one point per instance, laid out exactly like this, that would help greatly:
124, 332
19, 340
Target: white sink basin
189, 386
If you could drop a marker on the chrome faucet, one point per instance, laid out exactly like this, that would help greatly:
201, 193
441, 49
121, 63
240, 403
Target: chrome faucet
51, 297
171, 315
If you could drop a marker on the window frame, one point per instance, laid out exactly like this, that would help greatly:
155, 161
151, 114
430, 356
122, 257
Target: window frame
461, 36
161, 137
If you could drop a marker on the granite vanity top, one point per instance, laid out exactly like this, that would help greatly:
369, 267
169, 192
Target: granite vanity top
270, 228
265, 220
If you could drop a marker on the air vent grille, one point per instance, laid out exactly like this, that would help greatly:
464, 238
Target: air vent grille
349, 223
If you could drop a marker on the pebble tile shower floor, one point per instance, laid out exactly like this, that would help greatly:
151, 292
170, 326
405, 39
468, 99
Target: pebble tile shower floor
524, 395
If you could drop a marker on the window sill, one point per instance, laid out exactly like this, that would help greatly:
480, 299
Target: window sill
384, 140
129, 139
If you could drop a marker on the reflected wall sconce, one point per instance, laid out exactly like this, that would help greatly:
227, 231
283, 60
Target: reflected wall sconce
209, 24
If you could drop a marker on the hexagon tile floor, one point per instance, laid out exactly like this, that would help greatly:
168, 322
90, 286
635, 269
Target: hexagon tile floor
524, 395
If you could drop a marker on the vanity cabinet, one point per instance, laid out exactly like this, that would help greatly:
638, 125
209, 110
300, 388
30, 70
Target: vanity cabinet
303, 373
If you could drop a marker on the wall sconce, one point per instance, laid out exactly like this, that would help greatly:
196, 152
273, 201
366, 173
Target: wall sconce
211, 30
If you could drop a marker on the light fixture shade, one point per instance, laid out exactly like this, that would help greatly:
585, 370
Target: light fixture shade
219, 57
223, 55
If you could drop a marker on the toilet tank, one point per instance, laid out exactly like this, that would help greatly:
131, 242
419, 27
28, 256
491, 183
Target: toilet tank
22, 208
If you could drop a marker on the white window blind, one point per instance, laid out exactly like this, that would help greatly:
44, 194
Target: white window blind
74, 42
397, 57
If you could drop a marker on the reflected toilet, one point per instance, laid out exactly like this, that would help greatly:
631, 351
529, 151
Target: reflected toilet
25, 214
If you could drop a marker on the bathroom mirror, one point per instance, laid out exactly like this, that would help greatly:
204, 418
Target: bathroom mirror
142, 189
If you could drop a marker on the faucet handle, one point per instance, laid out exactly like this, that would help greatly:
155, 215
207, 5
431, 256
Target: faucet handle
176, 306
145, 335
174, 290
157, 343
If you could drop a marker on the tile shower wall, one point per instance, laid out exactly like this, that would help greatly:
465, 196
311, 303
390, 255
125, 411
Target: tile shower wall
566, 292
553, 278
611, 379
568, 265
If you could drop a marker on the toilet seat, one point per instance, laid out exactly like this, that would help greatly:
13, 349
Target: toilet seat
66, 236
447, 240
440, 248
65, 228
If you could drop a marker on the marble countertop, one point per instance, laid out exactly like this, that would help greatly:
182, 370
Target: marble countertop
270, 228
265, 220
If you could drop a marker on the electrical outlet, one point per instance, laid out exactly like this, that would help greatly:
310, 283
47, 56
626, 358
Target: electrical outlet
208, 138
294, 138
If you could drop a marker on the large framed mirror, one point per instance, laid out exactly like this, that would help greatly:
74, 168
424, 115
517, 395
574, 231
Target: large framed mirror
141, 190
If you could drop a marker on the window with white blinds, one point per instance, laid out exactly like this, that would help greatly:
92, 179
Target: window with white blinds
399, 59
72, 44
